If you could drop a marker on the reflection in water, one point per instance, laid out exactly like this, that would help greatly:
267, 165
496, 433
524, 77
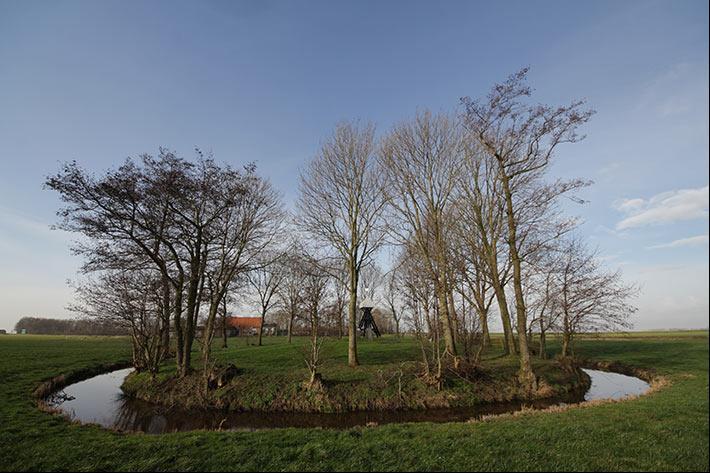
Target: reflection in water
606, 385
99, 400
96, 400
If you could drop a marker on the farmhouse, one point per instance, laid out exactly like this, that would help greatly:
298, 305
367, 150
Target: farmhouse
248, 326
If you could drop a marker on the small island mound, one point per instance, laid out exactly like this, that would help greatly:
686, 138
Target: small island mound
274, 378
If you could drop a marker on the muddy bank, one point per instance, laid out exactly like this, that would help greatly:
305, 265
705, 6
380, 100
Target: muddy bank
50, 386
647, 375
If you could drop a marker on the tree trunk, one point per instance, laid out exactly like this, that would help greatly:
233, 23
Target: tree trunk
167, 314
261, 326
341, 324
499, 291
193, 303
453, 316
290, 327
484, 329
527, 376
565, 344
352, 314
177, 311
224, 320
208, 334
566, 336
508, 339
446, 313
449, 340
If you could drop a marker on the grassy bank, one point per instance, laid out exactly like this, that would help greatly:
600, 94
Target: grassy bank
667, 430
272, 378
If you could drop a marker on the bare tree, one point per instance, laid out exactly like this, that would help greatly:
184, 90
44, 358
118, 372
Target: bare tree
542, 287
480, 213
128, 216
132, 300
239, 240
588, 298
315, 286
471, 336
291, 291
475, 290
521, 139
266, 280
393, 297
196, 223
102, 326
420, 307
417, 289
341, 204
209, 193
421, 161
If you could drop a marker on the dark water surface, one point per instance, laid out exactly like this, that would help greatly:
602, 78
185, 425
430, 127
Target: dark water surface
99, 400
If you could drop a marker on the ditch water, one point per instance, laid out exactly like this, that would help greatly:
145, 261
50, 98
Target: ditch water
99, 400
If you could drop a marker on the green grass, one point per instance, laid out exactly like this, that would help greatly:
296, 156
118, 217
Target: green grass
667, 430
272, 379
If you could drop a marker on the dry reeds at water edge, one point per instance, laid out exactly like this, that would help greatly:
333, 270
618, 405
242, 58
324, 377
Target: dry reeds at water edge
657, 383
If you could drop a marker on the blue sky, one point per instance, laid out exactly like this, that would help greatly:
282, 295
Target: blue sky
266, 81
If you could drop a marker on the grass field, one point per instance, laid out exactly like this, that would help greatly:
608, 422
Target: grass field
666, 430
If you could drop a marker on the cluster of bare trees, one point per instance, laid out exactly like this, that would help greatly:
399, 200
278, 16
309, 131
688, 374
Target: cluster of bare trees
162, 240
341, 205
466, 199
79, 326
571, 293
469, 201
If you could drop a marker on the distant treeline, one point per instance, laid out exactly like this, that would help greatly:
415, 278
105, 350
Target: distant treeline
46, 326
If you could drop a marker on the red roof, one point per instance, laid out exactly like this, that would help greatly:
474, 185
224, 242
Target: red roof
244, 322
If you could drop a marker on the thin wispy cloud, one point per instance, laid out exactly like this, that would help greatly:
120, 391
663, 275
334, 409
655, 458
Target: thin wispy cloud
25, 224
700, 240
610, 171
674, 91
666, 207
